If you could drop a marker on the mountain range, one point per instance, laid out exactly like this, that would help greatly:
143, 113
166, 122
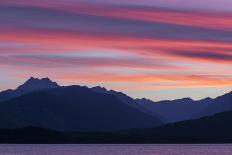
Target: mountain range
70, 108
43, 103
178, 110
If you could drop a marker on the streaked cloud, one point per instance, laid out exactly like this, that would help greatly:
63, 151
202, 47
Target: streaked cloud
138, 46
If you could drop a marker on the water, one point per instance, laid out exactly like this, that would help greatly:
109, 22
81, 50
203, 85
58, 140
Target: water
115, 149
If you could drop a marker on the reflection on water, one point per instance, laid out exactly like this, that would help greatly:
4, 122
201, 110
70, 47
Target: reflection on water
116, 149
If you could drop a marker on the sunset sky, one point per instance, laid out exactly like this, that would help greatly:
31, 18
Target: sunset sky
158, 49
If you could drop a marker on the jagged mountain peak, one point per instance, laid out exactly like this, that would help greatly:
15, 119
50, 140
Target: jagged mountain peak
144, 100
32, 79
30, 85
206, 99
186, 99
98, 88
37, 84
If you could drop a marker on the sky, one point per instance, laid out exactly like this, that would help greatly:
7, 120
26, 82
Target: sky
158, 49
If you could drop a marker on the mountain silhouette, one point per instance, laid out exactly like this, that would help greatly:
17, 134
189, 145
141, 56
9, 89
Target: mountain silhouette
129, 101
33, 84
210, 129
72, 108
43, 103
176, 110
220, 104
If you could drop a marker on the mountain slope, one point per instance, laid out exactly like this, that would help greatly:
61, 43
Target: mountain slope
176, 110
129, 101
220, 104
212, 129
33, 84
72, 108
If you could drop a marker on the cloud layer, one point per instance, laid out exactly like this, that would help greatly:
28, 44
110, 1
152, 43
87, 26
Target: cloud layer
131, 47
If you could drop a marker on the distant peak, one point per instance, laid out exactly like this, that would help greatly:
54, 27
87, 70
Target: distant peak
144, 100
37, 84
37, 79
186, 99
207, 98
98, 88
32, 79
46, 79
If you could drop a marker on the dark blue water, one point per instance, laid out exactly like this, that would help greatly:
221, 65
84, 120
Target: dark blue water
115, 149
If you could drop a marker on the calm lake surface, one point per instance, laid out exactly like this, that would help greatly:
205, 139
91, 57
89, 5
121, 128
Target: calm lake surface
116, 149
